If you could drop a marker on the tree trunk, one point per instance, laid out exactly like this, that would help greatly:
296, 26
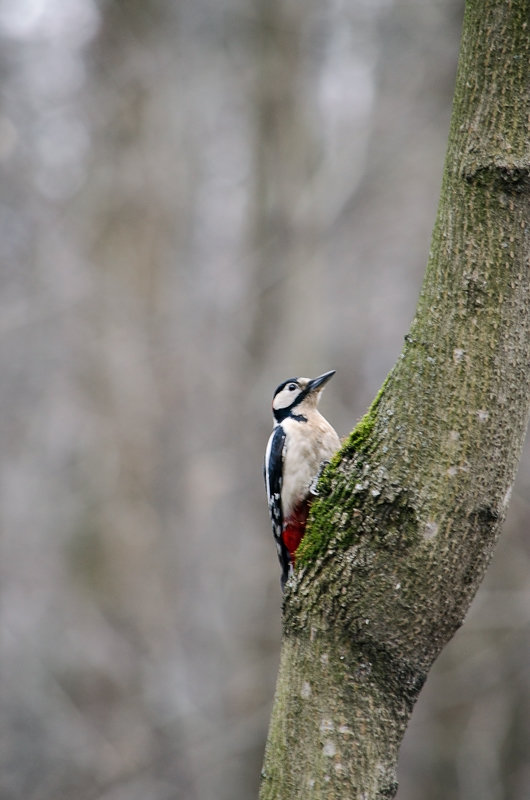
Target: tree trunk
411, 508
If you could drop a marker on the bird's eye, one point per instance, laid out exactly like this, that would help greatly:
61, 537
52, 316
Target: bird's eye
292, 387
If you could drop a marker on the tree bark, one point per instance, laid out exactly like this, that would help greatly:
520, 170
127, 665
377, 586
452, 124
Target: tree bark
410, 509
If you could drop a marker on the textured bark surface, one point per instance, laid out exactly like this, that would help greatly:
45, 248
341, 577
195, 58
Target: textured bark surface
411, 508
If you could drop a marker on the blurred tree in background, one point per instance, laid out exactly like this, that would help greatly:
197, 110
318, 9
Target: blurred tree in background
171, 176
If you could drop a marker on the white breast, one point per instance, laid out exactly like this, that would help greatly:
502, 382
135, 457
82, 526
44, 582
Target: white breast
307, 444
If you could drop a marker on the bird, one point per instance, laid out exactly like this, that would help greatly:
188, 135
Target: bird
302, 440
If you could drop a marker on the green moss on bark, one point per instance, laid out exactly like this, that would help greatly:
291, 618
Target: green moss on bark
359, 439
334, 491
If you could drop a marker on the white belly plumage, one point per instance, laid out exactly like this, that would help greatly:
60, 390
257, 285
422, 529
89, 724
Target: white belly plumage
302, 457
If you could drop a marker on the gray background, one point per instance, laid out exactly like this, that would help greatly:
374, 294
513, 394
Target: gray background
198, 200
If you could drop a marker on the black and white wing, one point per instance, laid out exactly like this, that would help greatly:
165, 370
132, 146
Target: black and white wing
273, 481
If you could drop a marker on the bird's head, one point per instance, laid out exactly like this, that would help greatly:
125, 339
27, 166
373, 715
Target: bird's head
296, 395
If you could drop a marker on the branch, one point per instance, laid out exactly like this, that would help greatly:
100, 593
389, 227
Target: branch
411, 508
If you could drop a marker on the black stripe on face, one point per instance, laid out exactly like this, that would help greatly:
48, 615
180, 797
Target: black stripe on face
283, 385
282, 413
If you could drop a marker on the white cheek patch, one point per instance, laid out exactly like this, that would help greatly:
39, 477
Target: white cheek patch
284, 399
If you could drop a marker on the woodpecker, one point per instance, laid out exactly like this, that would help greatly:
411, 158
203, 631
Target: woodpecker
301, 440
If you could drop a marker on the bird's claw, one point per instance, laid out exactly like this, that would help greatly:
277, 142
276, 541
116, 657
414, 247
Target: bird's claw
314, 483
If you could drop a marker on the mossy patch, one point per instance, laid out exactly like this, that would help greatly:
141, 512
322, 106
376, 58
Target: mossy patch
359, 439
333, 485
321, 527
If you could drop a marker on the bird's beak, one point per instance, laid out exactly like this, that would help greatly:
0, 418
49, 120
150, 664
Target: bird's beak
318, 383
